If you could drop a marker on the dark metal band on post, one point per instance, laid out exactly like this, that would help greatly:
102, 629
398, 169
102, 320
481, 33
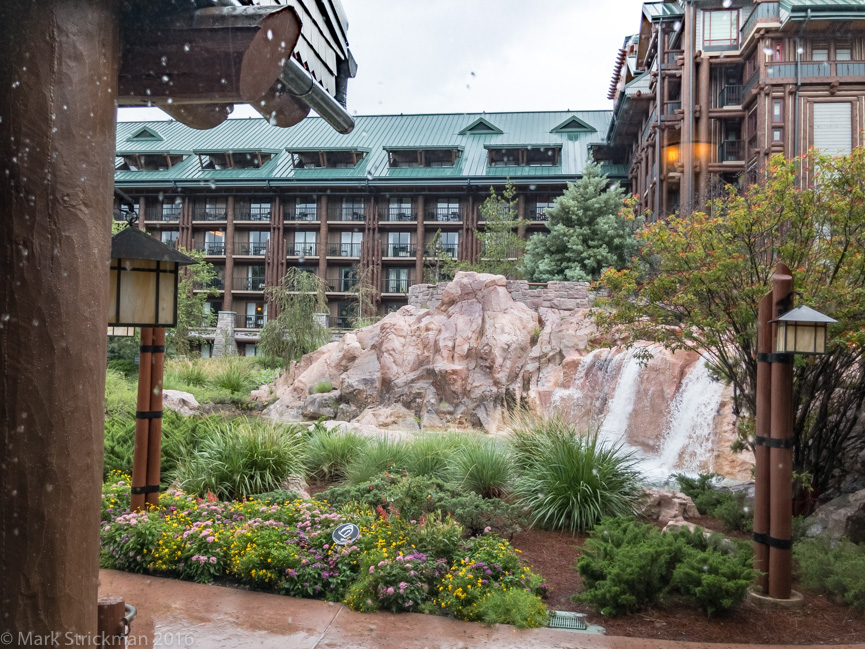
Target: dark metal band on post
775, 358
780, 544
146, 489
774, 443
152, 349
148, 414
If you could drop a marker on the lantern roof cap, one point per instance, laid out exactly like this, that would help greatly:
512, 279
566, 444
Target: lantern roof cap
805, 314
132, 243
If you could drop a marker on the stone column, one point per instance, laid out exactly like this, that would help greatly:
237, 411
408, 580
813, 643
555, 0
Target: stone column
57, 125
223, 340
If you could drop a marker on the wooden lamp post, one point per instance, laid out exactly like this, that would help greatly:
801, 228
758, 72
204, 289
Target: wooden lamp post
798, 331
144, 276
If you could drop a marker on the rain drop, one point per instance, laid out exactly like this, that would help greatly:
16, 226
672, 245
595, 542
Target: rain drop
49, 487
677, 25
726, 3
35, 323
212, 184
164, 61
170, 100
5, 317
270, 34
164, 78
186, 47
16, 84
369, 175
15, 531
301, 259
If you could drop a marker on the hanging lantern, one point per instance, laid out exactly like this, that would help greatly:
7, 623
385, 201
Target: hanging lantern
143, 281
802, 331
121, 332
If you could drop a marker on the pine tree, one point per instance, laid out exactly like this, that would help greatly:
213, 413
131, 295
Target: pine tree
587, 233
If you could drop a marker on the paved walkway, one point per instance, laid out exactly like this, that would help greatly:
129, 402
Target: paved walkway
174, 613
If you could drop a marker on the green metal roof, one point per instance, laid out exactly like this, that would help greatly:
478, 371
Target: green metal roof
822, 9
373, 133
662, 10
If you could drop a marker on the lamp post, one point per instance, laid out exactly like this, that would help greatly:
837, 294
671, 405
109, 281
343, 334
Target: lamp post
144, 276
793, 331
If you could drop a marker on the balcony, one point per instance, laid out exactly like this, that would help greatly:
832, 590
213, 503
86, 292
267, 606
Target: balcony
444, 215
217, 282
341, 284
399, 250
215, 248
764, 12
251, 321
211, 215
344, 250
670, 59
340, 322
395, 285
449, 249
730, 95
260, 215
301, 249
402, 214
346, 213
165, 215
731, 151
247, 283
291, 214
250, 248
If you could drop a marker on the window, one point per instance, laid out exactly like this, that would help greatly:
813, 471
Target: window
397, 280
256, 315
721, 28
842, 53
449, 243
255, 278
398, 244
171, 211
778, 51
504, 157
833, 128
307, 160
349, 244
777, 110
542, 156
347, 278
169, 238
259, 210
332, 159
214, 242
446, 209
215, 209
820, 53
304, 244
541, 208
218, 160
778, 135
445, 157
305, 209
146, 162
353, 209
400, 210
524, 156
258, 243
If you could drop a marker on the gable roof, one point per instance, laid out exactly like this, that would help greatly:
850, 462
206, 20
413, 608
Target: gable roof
145, 133
481, 127
574, 125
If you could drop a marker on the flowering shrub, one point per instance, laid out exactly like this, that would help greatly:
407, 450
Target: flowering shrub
286, 546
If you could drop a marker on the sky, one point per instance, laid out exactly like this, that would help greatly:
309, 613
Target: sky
446, 56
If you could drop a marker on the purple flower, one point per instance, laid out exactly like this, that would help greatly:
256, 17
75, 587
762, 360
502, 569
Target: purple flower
291, 573
390, 590
371, 569
212, 559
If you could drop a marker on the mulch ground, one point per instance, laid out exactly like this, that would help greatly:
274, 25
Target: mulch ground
820, 621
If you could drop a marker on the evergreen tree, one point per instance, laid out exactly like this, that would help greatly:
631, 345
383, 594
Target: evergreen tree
588, 233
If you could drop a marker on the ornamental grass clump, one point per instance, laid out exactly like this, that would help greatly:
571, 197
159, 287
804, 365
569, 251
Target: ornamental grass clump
483, 466
571, 481
382, 454
430, 454
242, 457
330, 452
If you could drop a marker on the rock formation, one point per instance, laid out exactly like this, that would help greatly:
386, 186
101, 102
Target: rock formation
478, 352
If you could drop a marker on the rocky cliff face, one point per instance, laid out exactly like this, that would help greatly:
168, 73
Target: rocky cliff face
478, 352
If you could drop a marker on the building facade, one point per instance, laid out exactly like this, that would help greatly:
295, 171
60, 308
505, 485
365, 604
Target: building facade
708, 90
257, 200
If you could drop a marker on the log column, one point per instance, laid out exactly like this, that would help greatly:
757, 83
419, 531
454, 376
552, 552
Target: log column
419, 237
228, 270
321, 245
57, 125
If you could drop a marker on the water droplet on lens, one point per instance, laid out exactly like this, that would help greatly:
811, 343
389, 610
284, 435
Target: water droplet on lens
212, 184
186, 47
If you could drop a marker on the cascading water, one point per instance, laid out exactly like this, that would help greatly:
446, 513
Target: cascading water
605, 394
689, 441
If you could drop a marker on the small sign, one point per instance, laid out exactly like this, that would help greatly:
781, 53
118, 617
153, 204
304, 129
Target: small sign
137, 358
346, 533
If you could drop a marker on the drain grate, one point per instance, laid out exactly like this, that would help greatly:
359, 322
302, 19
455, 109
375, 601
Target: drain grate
567, 620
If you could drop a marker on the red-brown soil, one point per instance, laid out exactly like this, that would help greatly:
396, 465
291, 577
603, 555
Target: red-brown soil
820, 621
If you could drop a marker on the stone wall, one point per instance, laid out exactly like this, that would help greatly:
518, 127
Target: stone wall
223, 341
566, 296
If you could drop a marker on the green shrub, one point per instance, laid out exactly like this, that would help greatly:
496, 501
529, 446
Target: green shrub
381, 454
121, 394
482, 466
627, 565
834, 568
242, 457
126, 366
329, 452
515, 606
190, 373
569, 481
127, 542
733, 510
322, 386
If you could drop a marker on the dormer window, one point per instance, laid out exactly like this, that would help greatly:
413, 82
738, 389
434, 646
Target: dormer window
532, 156
146, 161
433, 157
481, 127
219, 160
336, 159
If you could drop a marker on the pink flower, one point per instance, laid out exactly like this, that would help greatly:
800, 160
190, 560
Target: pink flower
211, 539
212, 559
390, 590
371, 569
487, 529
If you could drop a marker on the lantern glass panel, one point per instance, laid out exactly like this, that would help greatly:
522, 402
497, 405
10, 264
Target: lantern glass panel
138, 280
166, 296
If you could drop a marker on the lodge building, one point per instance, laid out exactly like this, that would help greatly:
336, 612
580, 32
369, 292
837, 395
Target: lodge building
258, 199
708, 90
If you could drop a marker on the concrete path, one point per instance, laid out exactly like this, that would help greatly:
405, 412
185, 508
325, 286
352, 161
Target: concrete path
174, 613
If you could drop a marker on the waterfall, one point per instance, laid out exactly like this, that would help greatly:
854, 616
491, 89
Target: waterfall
615, 426
689, 440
